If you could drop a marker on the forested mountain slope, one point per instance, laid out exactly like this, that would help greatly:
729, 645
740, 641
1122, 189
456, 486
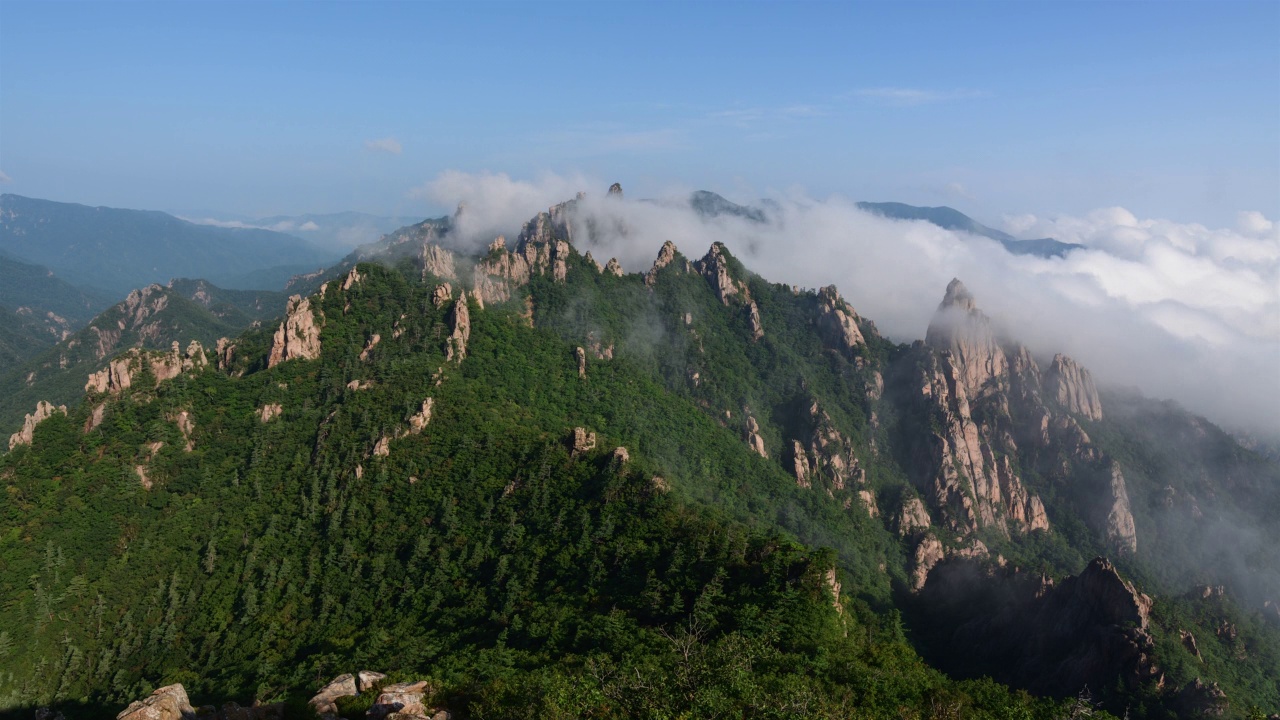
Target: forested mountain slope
554, 488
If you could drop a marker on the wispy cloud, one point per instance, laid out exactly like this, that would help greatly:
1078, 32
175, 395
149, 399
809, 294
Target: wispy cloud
917, 96
386, 145
4, 178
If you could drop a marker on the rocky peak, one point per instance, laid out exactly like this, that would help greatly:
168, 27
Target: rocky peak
1072, 386
666, 256
461, 322
961, 329
714, 266
613, 268
615, 190
298, 337
438, 262
1115, 599
1121, 532
837, 322
44, 411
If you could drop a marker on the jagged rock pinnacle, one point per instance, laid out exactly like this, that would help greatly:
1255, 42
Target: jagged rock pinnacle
958, 296
615, 190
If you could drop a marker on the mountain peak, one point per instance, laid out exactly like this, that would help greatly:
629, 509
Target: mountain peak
958, 296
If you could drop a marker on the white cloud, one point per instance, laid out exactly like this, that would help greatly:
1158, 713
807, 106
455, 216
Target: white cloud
916, 96
4, 178
1179, 310
386, 145
308, 226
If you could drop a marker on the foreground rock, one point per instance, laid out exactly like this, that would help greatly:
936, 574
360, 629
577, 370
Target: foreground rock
1091, 631
167, 703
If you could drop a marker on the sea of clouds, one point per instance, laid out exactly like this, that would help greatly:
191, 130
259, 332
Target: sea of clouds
1176, 310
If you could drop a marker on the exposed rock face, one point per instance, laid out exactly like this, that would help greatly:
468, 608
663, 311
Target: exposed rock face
373, 343
833, 584
753, 318
167, 703
1091, 630
353, 277
298, 337
598, 349
754, 441
592, 261
438, 262
419, 420
119, 374
136, 314
929, 552
405, 698
226, 352
269, 411
621, 455
666, 256
581, 355
461, 321
1072, 386
962, 330
837, 322
382, 448
715, 268
913, 517
442, 295
613, 268
615, 190
582, 441
44, 410
325, 702
1121, 533
183, 420
1189, 642
824, 456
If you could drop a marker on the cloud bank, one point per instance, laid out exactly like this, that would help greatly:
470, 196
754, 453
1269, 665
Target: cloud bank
1178, 311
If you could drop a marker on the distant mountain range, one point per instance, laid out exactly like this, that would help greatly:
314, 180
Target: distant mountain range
709, 204
335, 232
119, 250
952, 219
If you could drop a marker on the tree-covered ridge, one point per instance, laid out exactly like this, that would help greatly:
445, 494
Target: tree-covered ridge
317, 523
480, 552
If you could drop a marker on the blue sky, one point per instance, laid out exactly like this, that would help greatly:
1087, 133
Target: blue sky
1168, 109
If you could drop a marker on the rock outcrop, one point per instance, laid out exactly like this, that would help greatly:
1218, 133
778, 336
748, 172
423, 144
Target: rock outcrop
714, 266
666, 255
912, 518
1089, 631
325, 702
581, 356
438, 262
613, 268
168, 703
461, 322
754, 441
581, 441
1120, 530
442, 295
1072, 386
419, 420
838, 323
298, 337
44, 411
269, 411
120, 373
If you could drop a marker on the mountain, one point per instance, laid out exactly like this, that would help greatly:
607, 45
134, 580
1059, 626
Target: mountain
154, 317
709, 204
951, 219
119, 250
542, 486
37, 309
334, 232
